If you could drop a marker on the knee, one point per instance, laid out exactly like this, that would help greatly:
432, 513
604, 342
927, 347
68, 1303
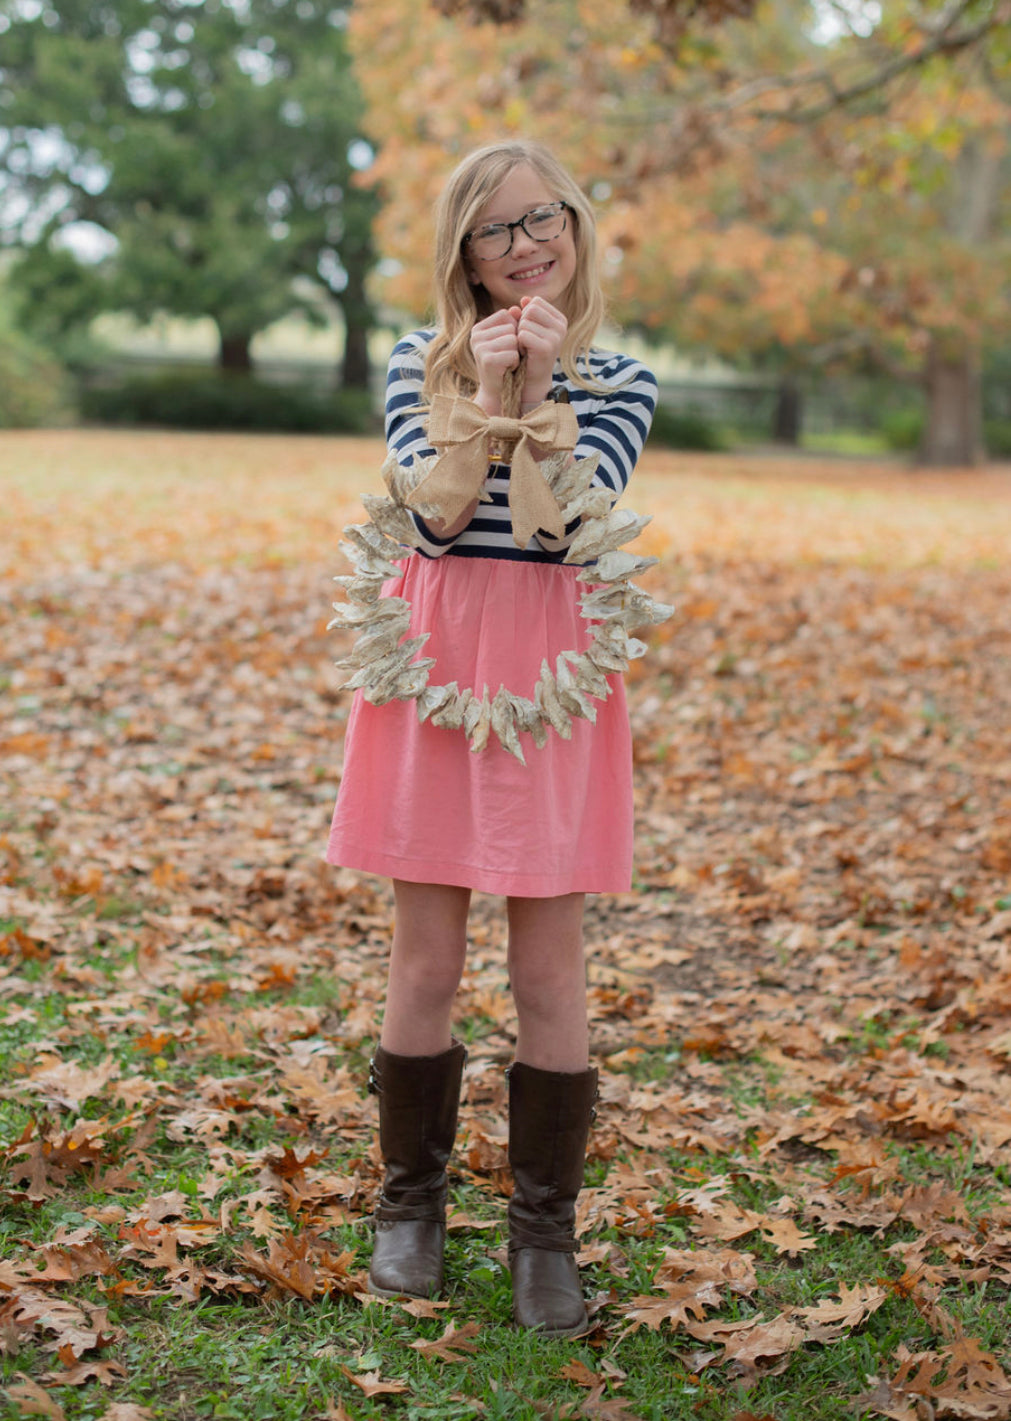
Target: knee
430, 971
539, 982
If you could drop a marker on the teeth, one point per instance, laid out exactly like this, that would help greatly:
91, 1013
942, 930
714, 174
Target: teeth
533, 271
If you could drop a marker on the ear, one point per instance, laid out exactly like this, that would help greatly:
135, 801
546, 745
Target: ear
473, 278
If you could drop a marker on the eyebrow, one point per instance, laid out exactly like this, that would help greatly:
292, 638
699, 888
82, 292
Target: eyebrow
497, 221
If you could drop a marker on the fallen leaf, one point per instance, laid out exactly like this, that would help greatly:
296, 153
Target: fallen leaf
91, 1369
452, 1346
372, 1384
32, 1400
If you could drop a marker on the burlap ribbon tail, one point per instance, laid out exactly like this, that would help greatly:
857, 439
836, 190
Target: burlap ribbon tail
467, 438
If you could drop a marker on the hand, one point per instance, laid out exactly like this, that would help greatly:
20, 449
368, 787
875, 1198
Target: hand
540, 331
495, 346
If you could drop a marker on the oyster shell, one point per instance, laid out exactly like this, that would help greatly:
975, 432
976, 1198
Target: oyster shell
615, 566
603, 535
389, 518
383, 609
360, 589
403, 479
370, 539
374, 672
547, 701
503, 723
402, 683
477, 722
378, 642
450, 714
572, 478
575, 701
591, 503
432, 698
371, 564
589, 678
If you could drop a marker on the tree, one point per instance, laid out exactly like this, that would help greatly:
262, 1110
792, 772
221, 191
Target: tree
216, 144
753, 178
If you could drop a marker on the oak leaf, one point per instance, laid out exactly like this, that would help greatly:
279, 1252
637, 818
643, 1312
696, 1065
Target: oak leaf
827, 1320
786, 1237
372, 1384
286, 1266
425, 1307
580, 1373
32, 1400
92, 1368
751, 1341
452, 1346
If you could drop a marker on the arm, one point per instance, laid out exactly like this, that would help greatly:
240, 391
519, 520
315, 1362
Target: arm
614, 426
617, 424
406, 436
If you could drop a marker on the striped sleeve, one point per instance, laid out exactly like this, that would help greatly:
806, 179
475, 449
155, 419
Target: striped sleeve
405, 427
614, 419
405, 377
616, 426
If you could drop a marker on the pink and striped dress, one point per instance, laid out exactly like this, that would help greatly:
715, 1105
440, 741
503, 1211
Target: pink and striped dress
414, 801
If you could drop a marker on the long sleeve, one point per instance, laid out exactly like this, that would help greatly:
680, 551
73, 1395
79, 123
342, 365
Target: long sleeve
405, 427
614, 426
614, 421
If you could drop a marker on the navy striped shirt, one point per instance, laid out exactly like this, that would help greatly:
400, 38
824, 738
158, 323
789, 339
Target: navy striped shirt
612, 423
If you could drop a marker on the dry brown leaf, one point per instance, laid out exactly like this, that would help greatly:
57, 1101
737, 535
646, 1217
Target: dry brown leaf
32, 1400
91, 1369
452, 1346
580, 1373
372, 1384
424, 1307
336, 1411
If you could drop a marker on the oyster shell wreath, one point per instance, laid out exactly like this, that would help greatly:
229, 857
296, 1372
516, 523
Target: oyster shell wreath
384, 666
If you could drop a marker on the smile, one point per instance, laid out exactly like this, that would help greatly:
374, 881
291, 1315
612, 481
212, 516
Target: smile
530, 273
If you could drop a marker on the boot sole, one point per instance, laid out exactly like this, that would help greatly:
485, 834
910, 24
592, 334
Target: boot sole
580, 1330
378, 1292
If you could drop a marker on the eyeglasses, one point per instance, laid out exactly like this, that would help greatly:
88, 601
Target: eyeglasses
495, 240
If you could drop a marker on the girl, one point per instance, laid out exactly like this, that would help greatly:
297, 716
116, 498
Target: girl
516, 281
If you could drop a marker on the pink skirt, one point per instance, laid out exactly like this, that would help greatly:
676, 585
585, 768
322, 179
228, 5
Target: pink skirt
416, 803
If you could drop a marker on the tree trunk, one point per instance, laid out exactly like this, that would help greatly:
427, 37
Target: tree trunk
355, 365
953, 437
788, 416
357, 258
234, 352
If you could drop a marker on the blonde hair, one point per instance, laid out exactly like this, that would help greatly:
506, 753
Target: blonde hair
450, 367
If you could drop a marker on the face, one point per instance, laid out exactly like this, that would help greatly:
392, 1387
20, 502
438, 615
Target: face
530, 268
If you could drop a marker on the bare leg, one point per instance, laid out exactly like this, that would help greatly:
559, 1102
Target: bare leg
547, 971
426, 964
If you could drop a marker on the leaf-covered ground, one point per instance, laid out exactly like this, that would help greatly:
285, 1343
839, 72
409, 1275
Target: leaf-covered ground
799, 1191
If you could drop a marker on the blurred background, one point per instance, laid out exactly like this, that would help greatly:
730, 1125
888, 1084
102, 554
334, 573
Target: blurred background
217, 214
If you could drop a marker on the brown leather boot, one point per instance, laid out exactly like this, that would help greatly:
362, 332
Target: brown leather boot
549, 1119
418, 1101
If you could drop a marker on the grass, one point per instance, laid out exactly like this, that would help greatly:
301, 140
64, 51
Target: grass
264, 1357
853, 443
234, 1025
267, 1358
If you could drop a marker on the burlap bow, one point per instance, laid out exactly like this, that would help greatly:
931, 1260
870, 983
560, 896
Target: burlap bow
465, 437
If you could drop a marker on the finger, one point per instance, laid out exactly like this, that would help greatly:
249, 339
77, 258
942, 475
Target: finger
497, 321
543, 316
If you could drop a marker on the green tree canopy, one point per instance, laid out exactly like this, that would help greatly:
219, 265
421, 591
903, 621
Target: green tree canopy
216, 145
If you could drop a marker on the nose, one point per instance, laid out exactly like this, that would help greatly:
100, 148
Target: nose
523, 242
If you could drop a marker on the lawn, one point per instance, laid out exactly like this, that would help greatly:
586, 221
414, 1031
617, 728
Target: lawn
798, 1198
